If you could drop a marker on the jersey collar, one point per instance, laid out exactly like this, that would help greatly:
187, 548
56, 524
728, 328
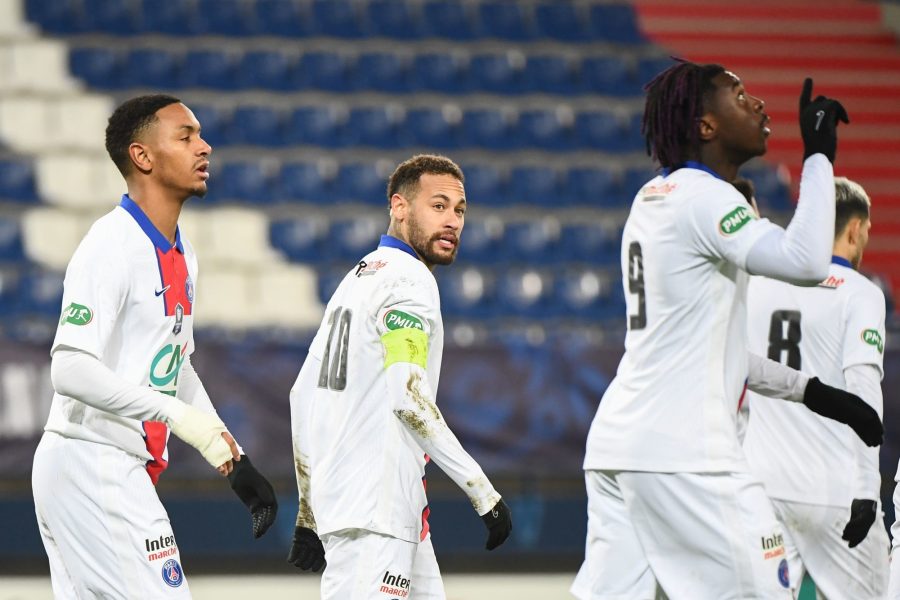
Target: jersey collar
390, 241
158, 239
840, 260
691, 164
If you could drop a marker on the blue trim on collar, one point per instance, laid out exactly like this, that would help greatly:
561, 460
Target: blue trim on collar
840, 260
691, 164
158, 239
390, 241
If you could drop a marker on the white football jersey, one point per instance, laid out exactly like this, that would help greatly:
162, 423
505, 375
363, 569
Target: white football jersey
127, 300
366, 471
673, 403
799, 455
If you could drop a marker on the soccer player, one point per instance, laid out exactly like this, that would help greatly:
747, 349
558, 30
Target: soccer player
123, 378
363, 412
834, 331
672, 507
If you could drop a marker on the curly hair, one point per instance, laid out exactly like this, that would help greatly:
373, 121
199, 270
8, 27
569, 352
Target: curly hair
127, 124
405, 178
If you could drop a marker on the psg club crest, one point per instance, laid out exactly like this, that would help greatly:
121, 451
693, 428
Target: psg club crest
171, 573
783, 577
189, 289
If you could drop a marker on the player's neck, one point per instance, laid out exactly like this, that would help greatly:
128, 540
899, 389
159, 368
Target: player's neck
722, 165
162, 210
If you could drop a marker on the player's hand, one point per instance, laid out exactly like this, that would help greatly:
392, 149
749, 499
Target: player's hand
307, 552
226, 468
200, 429
844, 407
256, 493
818, 122
499, 523
862, 515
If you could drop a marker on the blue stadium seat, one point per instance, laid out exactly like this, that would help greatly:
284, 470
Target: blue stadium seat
352, 238
151, 68
497, 72
482, 239
486, 185
648, 68
393, 19
534, 241
10, 240
328, 71
448, 19
330, 275
361, 182
615, 23
444, 72
599, 130
593, 187
226, 17
505, 20
585, 293
492, 128
215, 69
61, 16
382, 72
609, 75
634, 178
551, 74
436, 128
772, 192
548, 129
536, 185
99, 67
117, 18
246, 181
337, 18
307, 181
562, 20
283, 18
377, 126
633, 140
524, 292
467, 291
265, 70
215, 123
257, 126
172, 17
9, 290
40, 294
593, 242
17, 181
301, 240
315, 126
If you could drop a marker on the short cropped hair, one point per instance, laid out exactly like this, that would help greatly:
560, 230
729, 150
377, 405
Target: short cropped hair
851, 200
405, 178
127, 124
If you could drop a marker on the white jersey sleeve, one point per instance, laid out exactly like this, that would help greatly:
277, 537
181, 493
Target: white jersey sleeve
865, 382
865, 332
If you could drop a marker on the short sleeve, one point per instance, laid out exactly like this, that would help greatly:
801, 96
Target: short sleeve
409, 305
723, 225
94, 290
864, 336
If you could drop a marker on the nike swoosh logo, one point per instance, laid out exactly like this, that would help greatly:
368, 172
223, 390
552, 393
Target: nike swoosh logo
162, 291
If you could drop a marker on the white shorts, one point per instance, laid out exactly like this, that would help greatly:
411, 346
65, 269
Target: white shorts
363, 565
683, 536
812, 539
104, 529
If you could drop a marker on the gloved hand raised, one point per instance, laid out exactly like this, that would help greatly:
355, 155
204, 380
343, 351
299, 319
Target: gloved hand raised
862, 515
818, 122
307, 552
256, 493
499, 523
846, 408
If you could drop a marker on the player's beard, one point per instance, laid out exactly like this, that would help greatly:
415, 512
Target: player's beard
423, 244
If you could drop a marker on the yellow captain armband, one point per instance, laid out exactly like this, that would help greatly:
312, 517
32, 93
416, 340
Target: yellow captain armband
405, 345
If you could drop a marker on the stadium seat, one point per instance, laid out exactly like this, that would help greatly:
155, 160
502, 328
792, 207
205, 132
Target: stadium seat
10, 240
50, 236
17, 181
337, 18
548, 129
561, 20
215, 123
265, 70
172, 17
226, 17
444, 72
608, 75
236, 237
505, 20
482, 239
40, 294
151, 68
598, 130
222, 281
551, 74
524, 293
535, 185
300, 240
307, 181
102, 16
352, 238
283, 18
316, 126
467, 292
614, 23
435, 128
534, 241
362, 182
376, 126
214, 69
9, 290
328, 71
772, 192
245, 181
594, 242
593, 187
330, 274
286, 296
393, 19
492, 128
97, 66
583, 292
634, 179
497, 73
382, 72
259, 125
60, 17
648, 68
486, 185
448, 19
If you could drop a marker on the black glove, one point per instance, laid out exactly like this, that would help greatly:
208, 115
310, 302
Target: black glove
818, 122
499, 523
846, 408
256, 493
307, 551
862, 514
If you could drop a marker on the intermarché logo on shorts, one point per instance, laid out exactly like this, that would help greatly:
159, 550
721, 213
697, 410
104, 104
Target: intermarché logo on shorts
395, 585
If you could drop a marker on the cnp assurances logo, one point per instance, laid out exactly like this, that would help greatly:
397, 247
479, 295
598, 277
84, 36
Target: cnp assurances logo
165, 367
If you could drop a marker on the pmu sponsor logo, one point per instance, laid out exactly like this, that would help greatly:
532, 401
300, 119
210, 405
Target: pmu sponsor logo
736, 219
395, 585
397, 319
163, 547
171, 573
772, 546
832, 282
873, 338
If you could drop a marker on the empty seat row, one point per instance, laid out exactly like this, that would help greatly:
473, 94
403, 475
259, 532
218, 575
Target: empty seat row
440, 128
510, 72
563, 20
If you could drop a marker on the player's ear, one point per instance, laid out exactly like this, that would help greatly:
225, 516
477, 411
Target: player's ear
706, 126
140, 157
399, 207
853, 227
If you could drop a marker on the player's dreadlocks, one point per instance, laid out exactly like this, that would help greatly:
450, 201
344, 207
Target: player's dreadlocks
676, 99
128, 122
405, 178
